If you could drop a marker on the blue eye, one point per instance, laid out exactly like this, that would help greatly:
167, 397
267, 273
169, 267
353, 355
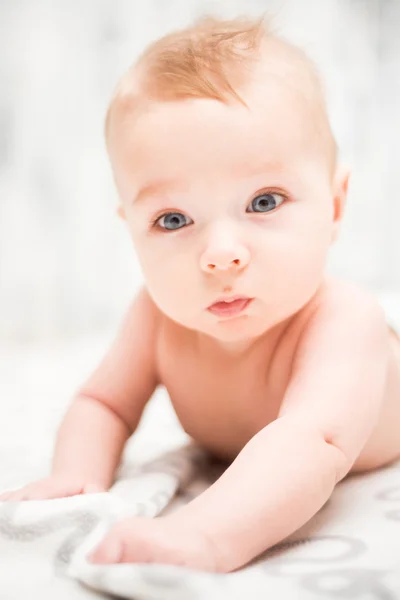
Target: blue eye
266, 202
171, 221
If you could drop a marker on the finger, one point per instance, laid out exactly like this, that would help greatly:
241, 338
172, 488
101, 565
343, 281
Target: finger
38, 494
5, 496
110, 550
52, 492
15, 496
36, 491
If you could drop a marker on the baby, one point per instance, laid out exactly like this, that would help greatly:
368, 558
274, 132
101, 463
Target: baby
227, 173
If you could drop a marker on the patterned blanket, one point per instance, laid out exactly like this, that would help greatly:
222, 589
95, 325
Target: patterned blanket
350, 549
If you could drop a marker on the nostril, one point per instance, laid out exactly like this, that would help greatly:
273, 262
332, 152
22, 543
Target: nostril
236, 262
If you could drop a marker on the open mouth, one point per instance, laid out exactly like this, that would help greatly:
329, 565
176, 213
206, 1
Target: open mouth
229, 307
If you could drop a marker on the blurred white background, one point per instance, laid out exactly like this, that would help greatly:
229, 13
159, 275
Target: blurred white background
67, 265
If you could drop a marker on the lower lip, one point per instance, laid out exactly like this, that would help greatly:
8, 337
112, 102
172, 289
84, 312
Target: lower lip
229, 309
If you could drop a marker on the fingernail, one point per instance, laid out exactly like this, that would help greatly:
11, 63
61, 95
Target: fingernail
108, 552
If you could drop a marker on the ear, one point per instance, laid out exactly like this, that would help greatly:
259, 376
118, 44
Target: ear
340, 188
121, 211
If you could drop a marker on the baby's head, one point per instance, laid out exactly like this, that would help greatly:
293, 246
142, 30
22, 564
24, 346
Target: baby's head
226, 169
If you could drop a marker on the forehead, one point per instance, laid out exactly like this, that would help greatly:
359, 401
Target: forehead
202, 137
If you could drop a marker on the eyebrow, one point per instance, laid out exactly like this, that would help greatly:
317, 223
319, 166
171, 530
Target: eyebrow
271, 165
161, 185
151, 189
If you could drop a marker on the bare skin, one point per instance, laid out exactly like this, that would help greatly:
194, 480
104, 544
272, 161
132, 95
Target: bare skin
250, 391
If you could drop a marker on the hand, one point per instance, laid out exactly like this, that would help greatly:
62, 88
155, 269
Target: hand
156, 540
52, 487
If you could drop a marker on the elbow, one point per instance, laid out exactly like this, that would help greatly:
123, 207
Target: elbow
109, 407
342, 463
325, 445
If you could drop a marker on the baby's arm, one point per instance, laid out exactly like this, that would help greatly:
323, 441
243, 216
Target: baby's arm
289, 469
104, 413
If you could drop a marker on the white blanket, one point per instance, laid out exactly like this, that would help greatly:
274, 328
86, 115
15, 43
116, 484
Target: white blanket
350, 549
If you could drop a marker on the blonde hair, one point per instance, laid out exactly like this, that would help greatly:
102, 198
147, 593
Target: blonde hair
213, 59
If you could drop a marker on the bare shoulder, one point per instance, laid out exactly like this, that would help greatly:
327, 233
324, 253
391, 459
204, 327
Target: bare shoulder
346, 319
341, 299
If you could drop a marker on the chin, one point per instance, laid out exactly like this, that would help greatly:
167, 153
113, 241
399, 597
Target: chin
239, 329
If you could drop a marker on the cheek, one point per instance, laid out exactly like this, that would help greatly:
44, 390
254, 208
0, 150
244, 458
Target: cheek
160, 264
169, 276
294, 255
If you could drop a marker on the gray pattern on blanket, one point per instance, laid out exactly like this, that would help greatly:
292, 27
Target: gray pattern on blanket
337, 554
82, 522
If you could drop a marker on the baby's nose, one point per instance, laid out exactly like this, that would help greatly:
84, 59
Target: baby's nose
223, 260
